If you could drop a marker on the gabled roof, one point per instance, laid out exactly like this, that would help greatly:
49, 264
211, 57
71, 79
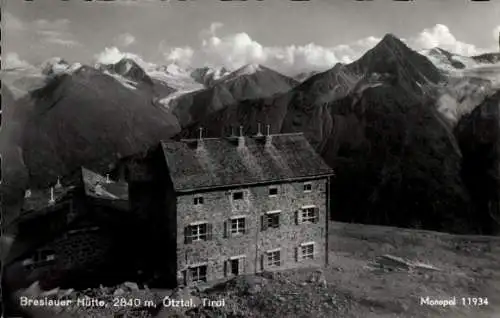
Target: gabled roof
219, 162
98, 186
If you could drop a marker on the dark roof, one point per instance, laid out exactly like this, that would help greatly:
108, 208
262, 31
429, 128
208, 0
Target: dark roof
220, 162
98, 186
39, 198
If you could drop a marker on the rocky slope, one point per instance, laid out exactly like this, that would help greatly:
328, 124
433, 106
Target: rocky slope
135, 77
207, 75
490, 58
88, 118
479, 137
246, 83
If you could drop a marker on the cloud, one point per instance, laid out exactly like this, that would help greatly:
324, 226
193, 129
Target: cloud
58, 25
41, 30
55, 32
235, 50
180, 55
125, 39
12, 60
441, 36
112, 55
12, 23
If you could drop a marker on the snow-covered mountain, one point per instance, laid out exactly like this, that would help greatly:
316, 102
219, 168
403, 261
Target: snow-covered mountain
176, 77
208, 75
57, 66
452, 62
448, 61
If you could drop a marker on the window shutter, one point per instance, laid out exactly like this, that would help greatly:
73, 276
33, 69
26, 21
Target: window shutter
209, 231
297, 217
226, 230
316, 215
185, 278
278, 218
188, 276
187, 235
243, 264
262, 264
297, 256
263, 221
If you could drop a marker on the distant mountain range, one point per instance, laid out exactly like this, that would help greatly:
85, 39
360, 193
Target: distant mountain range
399, 126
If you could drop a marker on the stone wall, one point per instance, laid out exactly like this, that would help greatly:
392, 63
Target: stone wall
217, 209
74, 253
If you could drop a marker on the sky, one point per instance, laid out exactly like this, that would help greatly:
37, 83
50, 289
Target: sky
289, 36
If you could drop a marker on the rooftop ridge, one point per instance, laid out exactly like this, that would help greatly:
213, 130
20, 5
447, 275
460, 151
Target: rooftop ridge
236, 137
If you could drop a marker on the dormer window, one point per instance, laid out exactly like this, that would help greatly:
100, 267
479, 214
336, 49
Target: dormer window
99, 190
198, 200
307, 187
238, 195
273, 191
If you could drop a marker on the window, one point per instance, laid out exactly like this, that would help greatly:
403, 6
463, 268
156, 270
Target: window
238, 225
198, 273
307, 250
307, 187
274, 258
197, 232
238, 195
198, 200
271, 220
235, 265
309, 214
273, 191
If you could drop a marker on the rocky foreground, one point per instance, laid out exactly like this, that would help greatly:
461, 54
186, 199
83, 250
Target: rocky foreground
373, 272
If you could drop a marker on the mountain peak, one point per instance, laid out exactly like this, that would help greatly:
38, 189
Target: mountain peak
392, 41
248, 69
128, 64
393, 59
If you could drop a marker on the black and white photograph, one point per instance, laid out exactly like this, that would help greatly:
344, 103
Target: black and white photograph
272, 158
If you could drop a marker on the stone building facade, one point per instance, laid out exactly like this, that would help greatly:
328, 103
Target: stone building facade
243, 205
69, 236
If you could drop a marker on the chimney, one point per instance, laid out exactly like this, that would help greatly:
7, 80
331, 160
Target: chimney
241, 138
58, 184
52, 199
107, 178
258, 130
268, 136
200, 139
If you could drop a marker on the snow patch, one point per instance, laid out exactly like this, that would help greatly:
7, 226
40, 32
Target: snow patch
175, 76
122, 80
170, 101
248, 69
